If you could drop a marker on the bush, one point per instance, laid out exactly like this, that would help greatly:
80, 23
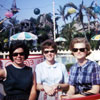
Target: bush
68, 66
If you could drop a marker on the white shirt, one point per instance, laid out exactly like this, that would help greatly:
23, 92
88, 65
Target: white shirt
51, 74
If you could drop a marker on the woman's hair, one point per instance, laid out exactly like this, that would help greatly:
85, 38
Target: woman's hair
47, 44
16, 45
80, 40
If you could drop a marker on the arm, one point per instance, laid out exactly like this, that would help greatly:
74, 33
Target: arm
71, 90
2, 73
40, 87
48, 89
71, 93
33, 90
95, 89
63, 86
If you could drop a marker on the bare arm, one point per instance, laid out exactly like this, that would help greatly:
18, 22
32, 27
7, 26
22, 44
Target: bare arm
71, 90
95, 89
2, 73
70, 94
33, 90
64, 86
40, 87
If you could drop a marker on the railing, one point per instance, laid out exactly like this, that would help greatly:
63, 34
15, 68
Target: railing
92, 97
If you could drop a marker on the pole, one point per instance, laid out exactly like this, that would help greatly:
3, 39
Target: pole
54, 20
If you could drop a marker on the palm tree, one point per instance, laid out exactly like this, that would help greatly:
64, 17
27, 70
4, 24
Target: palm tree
68, 32
62, 13
89, 13
79, 14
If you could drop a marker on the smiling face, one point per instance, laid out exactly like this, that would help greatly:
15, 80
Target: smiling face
18, 57
79, 51
49, 54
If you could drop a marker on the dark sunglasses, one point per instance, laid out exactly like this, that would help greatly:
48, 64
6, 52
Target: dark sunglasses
16, 54
80, 49
52, 51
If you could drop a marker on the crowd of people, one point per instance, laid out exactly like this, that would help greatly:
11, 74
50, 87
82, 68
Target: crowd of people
50, 79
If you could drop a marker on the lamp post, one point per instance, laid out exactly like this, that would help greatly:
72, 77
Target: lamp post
54, 20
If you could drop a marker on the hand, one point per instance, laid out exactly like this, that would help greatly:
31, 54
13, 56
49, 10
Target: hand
62, 97
48, 89
55, 86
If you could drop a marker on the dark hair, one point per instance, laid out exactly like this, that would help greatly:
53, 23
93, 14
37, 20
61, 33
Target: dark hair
49, 43
16, 45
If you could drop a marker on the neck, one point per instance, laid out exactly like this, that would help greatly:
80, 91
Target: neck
50, 62
82, 61
18, 65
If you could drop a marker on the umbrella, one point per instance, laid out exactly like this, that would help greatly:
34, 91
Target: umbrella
60, 39
96, 37
23, 36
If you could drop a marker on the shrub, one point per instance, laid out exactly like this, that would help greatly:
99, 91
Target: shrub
68, 66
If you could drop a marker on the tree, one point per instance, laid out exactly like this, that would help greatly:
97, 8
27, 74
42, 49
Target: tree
62, 13
68, 32
89, 13
79, 14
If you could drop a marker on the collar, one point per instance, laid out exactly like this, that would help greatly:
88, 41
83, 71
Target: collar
85, 65
51, 66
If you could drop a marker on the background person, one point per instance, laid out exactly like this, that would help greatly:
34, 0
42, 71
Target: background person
19, 80
84, 78
51, 76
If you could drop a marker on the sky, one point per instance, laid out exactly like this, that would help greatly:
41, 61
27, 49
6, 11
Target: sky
27, 7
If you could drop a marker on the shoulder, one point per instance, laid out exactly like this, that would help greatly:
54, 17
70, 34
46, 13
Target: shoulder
74, 66
41, 64
27, 67
61, 66
9, 67
93, 63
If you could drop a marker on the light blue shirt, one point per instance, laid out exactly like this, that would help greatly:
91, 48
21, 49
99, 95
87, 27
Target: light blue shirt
51, 74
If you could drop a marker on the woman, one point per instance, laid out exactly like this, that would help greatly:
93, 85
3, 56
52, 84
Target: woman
84, 78
51, 76
19, 81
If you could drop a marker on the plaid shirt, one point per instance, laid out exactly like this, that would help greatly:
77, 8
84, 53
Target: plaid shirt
85, 76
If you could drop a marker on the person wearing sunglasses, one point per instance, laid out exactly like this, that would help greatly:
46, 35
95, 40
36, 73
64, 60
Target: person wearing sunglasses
19, 80
84, 78
51, 75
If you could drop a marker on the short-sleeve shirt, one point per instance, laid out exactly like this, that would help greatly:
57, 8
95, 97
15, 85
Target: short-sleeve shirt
51, 74
83, 77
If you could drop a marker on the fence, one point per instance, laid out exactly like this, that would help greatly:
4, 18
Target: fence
62, 55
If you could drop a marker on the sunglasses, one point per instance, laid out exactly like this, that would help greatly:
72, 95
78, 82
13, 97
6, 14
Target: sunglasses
52, 51
16, 54
80, 49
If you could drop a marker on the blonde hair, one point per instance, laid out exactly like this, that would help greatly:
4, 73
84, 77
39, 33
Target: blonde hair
80, 40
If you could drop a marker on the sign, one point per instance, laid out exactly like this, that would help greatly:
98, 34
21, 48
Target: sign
32, 61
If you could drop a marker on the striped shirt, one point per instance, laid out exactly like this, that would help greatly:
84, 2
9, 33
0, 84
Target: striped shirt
83, 77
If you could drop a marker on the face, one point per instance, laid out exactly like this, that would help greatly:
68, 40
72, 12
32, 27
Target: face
18, 57
79, 51
49, 54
